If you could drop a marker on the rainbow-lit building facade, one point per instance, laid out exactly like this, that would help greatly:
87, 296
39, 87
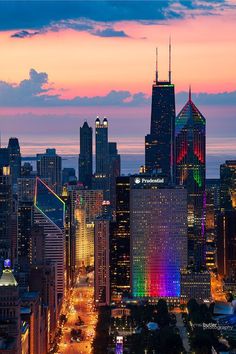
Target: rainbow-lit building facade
158, 228
190, 141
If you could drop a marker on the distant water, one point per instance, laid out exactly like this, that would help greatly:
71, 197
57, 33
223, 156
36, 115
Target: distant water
131, 163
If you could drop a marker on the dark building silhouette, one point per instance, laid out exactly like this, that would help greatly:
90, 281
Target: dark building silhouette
15, 159
190, 133
6, 208
159, 144
24, 223
120, 242
114, 171
86, 155
68, 175
4, 157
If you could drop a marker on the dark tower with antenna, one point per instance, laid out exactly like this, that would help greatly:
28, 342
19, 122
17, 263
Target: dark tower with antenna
159, 144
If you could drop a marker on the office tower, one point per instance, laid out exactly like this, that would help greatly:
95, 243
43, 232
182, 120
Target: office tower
212, 210
24, 230
226, 245
190, 133
6, 201
10, 325
87, 206
15, 159
114, 171
195, 285
101, 257
86, 155
4, 157
228, 185
49, 213
30, 313
101, 178
120, 242
159, 143
158, 234
49, 166
68, 175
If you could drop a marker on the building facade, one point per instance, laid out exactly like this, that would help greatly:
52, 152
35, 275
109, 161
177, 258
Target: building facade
158, 228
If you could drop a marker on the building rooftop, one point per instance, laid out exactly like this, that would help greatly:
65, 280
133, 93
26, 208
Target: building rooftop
7, 278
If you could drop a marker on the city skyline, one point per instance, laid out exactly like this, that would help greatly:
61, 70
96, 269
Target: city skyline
116, 82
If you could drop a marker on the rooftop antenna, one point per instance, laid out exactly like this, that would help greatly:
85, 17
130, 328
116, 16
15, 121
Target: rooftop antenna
190, 93
156, 65
169, 59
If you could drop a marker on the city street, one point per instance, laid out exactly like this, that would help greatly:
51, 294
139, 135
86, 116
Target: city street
81, 305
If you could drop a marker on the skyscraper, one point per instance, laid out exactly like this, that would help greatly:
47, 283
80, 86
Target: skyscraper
228, 185
87, 206
158, 234
159, 143
101, 180
50, 213
15, 159
114, 171
4, 157
10, 324
120, 241
49, 166
190, 133
24, 229
6, 208
86, 155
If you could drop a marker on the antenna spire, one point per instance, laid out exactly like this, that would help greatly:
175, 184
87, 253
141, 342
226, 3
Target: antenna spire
190, 93
156, 65
169, 59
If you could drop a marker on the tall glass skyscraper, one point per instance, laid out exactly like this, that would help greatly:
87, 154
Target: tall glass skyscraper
86, 155
158, 229
159, 144
190, 132
50, 214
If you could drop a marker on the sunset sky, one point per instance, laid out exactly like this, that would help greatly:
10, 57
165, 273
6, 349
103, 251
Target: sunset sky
64, 62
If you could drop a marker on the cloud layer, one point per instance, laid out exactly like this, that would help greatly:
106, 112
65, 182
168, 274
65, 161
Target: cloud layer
36, 91
30, 18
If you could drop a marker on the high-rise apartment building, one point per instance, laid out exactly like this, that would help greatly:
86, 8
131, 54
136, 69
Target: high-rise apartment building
190, 133
159, 143
158, 233
86, 155
49, 166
